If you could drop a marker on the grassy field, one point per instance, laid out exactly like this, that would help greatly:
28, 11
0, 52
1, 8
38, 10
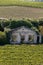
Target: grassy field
21, 3
21, 55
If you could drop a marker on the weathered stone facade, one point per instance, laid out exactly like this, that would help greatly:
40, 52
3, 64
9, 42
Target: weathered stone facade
24, 35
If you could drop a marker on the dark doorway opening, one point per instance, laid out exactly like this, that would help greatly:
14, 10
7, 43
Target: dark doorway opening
37, 39
22, 38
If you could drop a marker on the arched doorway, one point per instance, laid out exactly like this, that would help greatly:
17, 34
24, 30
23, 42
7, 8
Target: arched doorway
22, 37
31, 38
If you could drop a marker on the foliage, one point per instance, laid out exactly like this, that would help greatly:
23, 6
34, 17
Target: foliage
24, 22
12, 23
35, 24
1, 28
4, 22
3, 38
18, 23
41, 22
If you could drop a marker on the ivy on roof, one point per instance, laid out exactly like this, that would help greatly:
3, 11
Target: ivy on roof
12, 23
24, 22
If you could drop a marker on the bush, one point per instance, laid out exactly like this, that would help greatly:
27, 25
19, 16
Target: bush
18, 23
1, 28
5, 23
3, 38
41, 22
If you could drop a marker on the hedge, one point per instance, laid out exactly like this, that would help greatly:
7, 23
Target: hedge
18, 23
12, 23
3, 38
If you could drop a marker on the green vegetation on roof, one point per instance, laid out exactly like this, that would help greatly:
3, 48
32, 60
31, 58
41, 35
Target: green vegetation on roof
24, 22
15, 23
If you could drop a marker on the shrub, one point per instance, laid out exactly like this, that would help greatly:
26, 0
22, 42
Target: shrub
1, 28
3, 38
5, 23
41, 21
18, 23
35, 23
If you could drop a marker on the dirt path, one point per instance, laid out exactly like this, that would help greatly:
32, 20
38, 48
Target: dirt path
20, 12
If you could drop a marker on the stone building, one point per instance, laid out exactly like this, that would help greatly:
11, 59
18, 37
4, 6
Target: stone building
25, 35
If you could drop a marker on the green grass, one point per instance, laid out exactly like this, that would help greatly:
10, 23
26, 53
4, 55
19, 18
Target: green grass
21, 3
21, 55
